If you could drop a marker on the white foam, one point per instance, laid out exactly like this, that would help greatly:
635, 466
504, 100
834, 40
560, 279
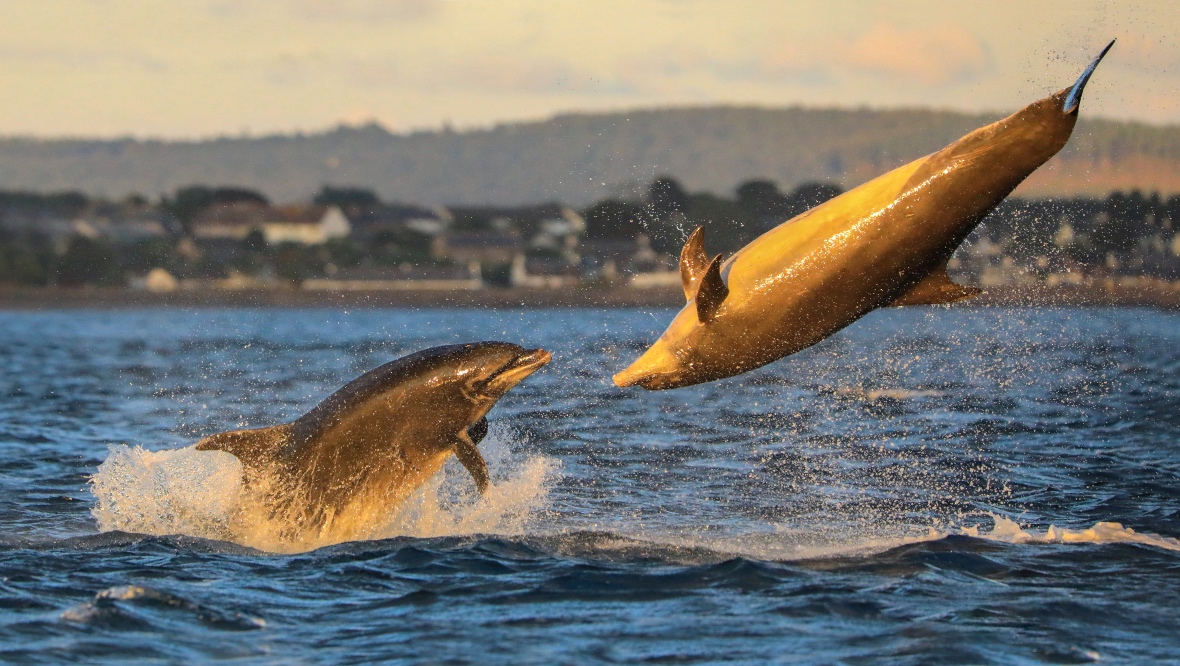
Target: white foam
199, 493
1008, 531
785, 543
181, 491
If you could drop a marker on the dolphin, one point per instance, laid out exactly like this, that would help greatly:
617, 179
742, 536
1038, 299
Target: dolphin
883, 243
331, 473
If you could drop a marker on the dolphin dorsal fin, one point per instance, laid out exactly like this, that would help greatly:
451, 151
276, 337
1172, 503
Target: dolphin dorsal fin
252, 447
935, 289
693, 262
711, 292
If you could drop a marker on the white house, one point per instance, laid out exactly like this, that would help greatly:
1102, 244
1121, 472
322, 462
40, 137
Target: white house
306, 225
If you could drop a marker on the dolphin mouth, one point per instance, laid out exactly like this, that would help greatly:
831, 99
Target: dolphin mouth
624, 379
651, 382
518, 369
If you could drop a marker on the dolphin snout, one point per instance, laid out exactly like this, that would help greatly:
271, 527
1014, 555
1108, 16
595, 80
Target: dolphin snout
518, 369
656, 369
534, 359
634, 374
625, 378
652, 381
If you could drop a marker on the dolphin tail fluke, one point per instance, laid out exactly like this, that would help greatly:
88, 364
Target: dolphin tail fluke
1074, 98
252, 447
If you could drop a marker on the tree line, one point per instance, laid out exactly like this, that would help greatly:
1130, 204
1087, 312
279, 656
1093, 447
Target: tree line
1126, 231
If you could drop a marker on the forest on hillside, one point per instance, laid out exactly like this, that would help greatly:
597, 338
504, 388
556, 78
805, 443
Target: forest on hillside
582, 158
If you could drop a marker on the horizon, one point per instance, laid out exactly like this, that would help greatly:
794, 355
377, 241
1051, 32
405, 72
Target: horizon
210, 69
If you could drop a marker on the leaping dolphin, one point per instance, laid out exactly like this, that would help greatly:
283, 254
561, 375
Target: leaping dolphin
883, 243
328, 475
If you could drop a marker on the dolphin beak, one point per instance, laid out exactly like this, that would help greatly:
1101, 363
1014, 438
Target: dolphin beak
649, 371
628, 377
1074, 98
518, 369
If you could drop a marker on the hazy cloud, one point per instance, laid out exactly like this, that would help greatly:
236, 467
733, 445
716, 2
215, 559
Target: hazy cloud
208, 66
81, 59
934, 56
1157, 52
523, 74
365, 11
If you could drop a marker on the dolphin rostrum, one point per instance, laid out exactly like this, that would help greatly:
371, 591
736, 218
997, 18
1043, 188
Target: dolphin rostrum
328, 475
883, 243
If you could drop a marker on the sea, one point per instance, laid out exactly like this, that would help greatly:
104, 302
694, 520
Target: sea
931, 485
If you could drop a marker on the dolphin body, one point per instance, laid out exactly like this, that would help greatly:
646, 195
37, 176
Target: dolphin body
333, 473
883, 243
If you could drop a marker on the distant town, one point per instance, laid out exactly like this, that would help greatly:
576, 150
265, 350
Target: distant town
346, 239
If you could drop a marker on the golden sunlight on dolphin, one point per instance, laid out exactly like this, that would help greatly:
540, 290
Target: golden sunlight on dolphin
335, 473
883, 243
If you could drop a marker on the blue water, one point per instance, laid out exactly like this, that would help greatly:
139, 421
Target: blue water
929, 486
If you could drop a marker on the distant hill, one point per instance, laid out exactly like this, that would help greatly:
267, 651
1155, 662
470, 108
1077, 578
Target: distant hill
580, 158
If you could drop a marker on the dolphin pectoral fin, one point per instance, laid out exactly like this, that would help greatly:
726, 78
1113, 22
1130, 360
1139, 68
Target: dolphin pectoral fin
935, 289
251, 447
467, 454
711, 292
693, 262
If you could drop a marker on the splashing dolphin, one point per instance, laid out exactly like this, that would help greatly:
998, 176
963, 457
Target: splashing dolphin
330, 474
883, 243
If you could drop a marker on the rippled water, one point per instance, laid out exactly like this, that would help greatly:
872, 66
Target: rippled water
929, 486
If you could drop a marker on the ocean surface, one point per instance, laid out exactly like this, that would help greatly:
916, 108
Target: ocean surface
931, 485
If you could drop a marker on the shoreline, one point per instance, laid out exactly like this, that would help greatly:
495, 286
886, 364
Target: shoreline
1142, 293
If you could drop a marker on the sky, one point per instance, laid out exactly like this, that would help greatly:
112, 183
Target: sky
191, 69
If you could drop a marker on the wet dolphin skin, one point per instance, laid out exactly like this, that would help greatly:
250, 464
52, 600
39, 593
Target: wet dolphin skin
332, 472
883, 243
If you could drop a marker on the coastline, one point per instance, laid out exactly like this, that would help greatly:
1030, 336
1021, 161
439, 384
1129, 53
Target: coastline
1135, 293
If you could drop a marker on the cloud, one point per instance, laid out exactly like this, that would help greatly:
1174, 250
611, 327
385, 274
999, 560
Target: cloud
937, 55
291, 69
524, 74
485, 73
81, 59
794, 61
933, 57
1157, 53
365, 11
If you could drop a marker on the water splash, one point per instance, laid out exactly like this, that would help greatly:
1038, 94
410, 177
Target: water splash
180, 491
200, 493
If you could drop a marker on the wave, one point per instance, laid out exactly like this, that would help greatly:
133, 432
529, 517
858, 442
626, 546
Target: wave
134, 607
